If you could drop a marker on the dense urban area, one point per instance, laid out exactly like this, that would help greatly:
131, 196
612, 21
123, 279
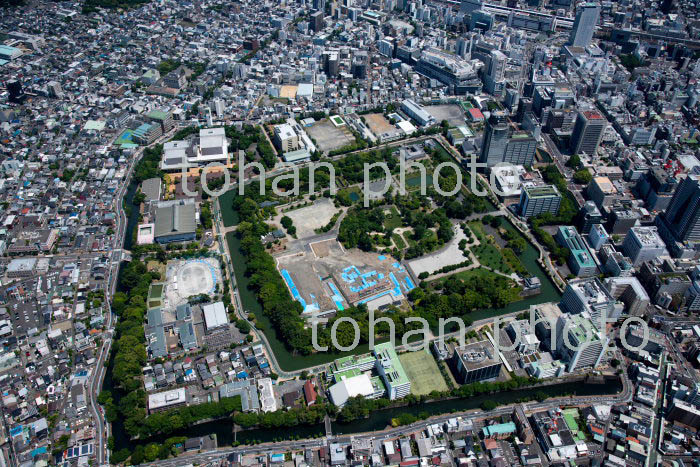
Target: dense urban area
350, 232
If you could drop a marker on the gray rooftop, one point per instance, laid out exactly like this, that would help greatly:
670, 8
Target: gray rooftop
175, 219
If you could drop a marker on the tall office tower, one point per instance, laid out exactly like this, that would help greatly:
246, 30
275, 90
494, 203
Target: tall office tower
468, 6
584, 25
219, 108
683, 213
495, 140
316, 21
588, 132
497, 66
463, 47
589, 215
331, 63
359, 65
495, 78
320, 5
520, 149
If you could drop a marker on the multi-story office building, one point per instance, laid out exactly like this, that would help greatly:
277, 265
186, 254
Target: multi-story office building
598, 236
331, 62
589, 216
580, 343
590, 296
493, 149
316, 21
643, 244
386, 46
477, 361
601, 191
630, 292
539, 199
584, 25
685, 413
286, 138
580, 258
495, 77
656, 187
588, 132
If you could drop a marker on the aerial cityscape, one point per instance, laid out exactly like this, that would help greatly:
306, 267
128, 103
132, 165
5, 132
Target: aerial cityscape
350, 233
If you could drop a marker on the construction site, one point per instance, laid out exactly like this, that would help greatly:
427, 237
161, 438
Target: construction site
325, 278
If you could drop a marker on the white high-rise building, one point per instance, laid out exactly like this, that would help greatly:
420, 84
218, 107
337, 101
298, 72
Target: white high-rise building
589, 296
219, 107
643, 244
580, 343
286, 138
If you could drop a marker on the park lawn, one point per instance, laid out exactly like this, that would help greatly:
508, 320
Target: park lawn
491, 257
423, 372
468, 274
478, 230
398, 241
393, 220
514, 262
408, 237
513, 292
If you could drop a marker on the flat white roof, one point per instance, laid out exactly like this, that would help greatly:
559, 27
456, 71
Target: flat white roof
215, 315
351, 387
167, 398
285, 131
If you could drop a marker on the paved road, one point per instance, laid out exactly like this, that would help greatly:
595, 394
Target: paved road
99, 370
280, 447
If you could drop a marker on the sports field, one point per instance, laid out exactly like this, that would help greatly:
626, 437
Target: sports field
423, 372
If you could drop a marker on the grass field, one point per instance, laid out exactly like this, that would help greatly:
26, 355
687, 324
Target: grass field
478, 230
393, 220
423, 372
491, 256
398, 241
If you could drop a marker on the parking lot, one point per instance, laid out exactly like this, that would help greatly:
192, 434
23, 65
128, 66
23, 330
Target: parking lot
451, 112
329, 137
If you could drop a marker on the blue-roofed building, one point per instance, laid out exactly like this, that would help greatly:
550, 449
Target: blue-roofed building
499, 431
581, 260
147, 133
9, 53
